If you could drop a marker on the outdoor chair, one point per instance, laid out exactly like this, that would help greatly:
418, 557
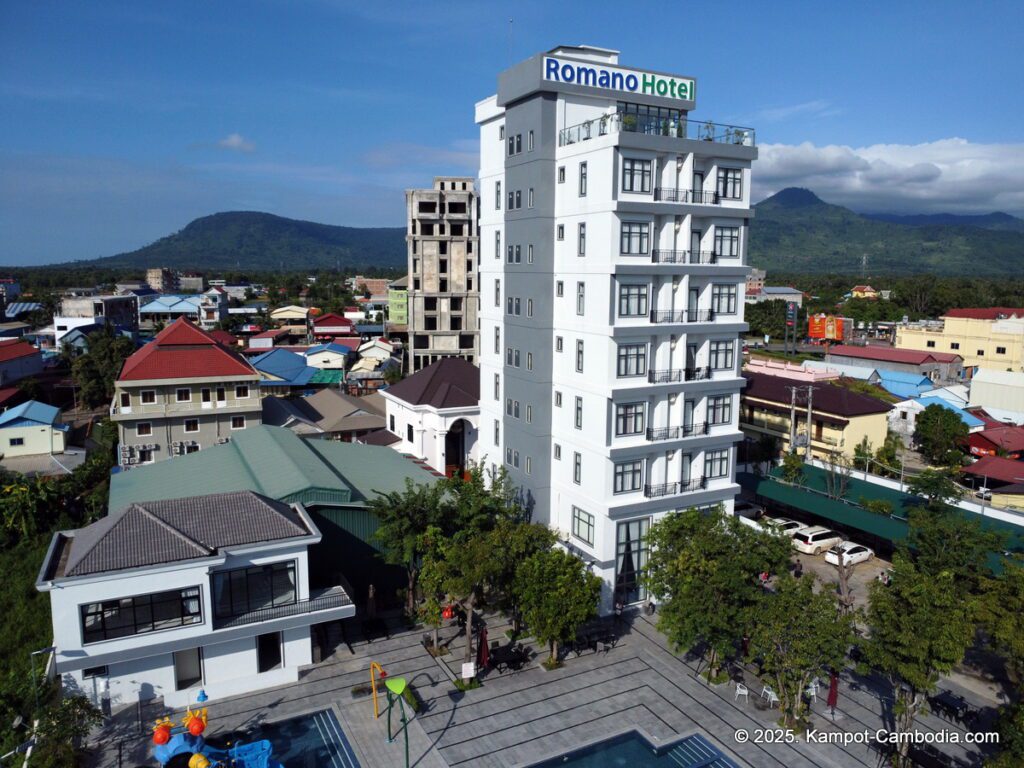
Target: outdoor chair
741, 690
770, 696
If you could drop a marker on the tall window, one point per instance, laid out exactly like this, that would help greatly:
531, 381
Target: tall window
635, 238
497, 432
632, 360
509, 251
583, 525
631, 551
636, 175
579, 412
727, 241
579, 356
581, 298
629, 419
721, 355
140, 614
583, 179
497, 386
497, 195
629, 476
519, 254
720, 409
582, 247
529, 254
560, 232
577, 468
519, 199
250, 589
559, 288
632, 301
716, 463
529, 142
561, 174
497, 293
497, 243
497, 339
529, 198
723, 299
730, 183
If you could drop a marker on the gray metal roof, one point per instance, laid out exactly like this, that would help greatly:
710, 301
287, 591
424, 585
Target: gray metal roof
155, 532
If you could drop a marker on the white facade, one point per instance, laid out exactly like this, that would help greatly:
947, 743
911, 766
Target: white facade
159, 663
998, 389
613, 240
423, 431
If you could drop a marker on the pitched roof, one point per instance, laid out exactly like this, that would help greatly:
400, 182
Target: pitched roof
31, 412
892, 355
156, 532
998, 468
183, 351
169, 303
21, 307
329, 410
451, 382
285, 366
340, 349
828, 398
993, 376
861, 372
1008, 438
276, 463
988, 313
224, 338
380, 437
15, 349
969, 419
332, 319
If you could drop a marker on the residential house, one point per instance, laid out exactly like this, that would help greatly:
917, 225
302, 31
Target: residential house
283, 372
860, 372
775, 293
290, 315
327, 414
32, 429
331, 356
1003, 477
940, 367
903, 383
1006, 441
180, 393
954, 394
840, 418
162, 598
989, 338
18, 360
434, 414
162, 279
267, 339
903, 417
327, 327
376, 349
75, 311
398, 303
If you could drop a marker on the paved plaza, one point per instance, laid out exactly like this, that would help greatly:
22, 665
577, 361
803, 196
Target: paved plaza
518, 718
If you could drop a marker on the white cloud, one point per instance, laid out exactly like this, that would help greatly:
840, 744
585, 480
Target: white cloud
236, 142
815, 108
945, 176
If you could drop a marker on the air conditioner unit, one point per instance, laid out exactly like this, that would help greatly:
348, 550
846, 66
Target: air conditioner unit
126, 450
133, 460
221, 440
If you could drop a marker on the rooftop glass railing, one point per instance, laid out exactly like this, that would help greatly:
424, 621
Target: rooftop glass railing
652, 125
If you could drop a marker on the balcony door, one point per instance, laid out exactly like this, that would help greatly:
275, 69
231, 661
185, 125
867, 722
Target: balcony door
691, 356
688, 416
188, 668
268, 652
698, 186
695, 245
686, 462
693, 299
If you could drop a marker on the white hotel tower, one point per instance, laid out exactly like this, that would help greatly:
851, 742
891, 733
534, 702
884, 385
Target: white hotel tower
613, 233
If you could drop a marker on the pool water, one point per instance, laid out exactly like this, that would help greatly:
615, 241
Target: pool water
315, 740
634, 751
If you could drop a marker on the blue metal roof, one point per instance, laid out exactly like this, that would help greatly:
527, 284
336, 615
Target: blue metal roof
29, 413
285, 365
968, 419
332, 347
20, 307
904, 377
170, 303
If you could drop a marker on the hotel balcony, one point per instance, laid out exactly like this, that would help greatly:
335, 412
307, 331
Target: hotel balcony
650, 125
682, 315
674, 375
661, 256
674, 489
691, 196
674, 433
322, 600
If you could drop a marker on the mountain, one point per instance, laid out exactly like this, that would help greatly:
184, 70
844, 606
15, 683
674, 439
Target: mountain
998, 221
796, 231
263, 242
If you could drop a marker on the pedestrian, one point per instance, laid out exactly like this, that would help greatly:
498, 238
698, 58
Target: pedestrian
618, 612
799, 570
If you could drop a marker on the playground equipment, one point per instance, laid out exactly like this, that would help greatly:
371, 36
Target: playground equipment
173, 742
394, 688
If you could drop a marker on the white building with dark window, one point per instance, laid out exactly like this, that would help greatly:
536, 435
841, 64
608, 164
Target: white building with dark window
162, 598
613, 231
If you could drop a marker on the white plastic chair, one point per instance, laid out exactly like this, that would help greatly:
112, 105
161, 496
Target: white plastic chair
770, 696
741, 690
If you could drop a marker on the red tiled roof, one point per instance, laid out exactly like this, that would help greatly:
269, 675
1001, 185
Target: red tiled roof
182, 351
989, 313
271, 334
223, 337
332, 319
828, 398
892, 355
998, 468
1008, 438
16, 348
10, 396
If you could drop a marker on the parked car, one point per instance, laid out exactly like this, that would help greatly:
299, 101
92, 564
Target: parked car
851, 553
984, 493
782, 525
748, 510
815, 539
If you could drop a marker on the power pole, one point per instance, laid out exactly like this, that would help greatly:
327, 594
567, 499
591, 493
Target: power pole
792, 418
810, 416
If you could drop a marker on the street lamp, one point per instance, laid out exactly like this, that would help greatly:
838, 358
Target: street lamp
35, 680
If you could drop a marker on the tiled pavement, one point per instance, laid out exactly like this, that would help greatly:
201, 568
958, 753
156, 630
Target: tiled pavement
518, 718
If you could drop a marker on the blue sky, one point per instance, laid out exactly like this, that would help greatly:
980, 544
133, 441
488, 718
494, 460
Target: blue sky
123, 121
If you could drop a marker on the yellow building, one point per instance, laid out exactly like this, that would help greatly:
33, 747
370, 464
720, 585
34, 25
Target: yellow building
984, 338
31, 429
840, 417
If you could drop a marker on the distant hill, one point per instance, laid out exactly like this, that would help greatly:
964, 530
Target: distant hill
261, 241
796, 231
998, 221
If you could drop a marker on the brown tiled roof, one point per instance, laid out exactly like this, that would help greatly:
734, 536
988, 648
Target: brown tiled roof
448, 383
828, 398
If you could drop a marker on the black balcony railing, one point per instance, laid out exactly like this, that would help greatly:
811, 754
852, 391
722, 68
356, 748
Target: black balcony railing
335, 597
697, 374
668, 256
667, 376
692, 196
682, 315
700, 315
674, 433
674, 489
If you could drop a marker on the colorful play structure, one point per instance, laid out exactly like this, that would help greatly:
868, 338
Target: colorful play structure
394, 688
184, 746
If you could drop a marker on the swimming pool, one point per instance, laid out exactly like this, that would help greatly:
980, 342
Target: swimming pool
633, 750
315, 740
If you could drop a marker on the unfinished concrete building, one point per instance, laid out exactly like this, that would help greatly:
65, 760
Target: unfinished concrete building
444, 290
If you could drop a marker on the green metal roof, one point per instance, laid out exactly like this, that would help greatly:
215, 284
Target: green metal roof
327, 376
277, 463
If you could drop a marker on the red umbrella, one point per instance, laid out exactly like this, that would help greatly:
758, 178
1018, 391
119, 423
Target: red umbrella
833, 691
483, 653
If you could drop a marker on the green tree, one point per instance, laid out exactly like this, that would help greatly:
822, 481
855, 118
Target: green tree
62, 727
766, 318
1010, 727
1001, 611
796, 635
703, 568
29, 505
95, 371
512, 543
887, 457
405, 518
792, 469
939, 433
478, 500
936, 487
920, 627
558, 594
943, 542
862, 455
